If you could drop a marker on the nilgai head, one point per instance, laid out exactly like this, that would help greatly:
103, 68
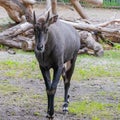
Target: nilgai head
41, 30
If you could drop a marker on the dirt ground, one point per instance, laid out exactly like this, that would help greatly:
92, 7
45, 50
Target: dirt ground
88, 89
29, 103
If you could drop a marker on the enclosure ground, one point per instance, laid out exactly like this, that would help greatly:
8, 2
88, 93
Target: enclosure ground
23, 97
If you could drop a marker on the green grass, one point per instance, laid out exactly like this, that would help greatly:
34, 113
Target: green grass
87, 67
37, 113
86, 107
94, 110
18, 69
8, 88
117, 46
118, 107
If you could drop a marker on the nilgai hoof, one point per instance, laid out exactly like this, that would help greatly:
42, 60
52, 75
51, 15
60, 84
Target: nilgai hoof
65, 110
65, 107
50, 117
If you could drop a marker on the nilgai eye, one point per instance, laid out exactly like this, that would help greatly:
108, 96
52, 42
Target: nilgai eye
34, 29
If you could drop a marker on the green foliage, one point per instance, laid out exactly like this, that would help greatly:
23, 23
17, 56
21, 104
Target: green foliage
107, 3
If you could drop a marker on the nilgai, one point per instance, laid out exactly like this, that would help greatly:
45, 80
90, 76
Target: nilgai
56, 47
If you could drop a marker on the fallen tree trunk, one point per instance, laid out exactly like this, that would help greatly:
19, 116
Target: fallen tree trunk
18, 10
11, 43
27, 43
88, 40
12, 34
15, 30
20, 42
76, 4
25, 29
12, 37
90, 27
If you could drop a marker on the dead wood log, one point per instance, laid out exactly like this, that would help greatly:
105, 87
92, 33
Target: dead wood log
15, 30
27, 43
95, 2
54, 6
90, 27
12, 38
115, 21
89, 41
24, 28
77, 6
18, 10
20, 42
11, 43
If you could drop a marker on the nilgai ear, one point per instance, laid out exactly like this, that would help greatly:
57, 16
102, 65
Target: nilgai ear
53, 19
34, 18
